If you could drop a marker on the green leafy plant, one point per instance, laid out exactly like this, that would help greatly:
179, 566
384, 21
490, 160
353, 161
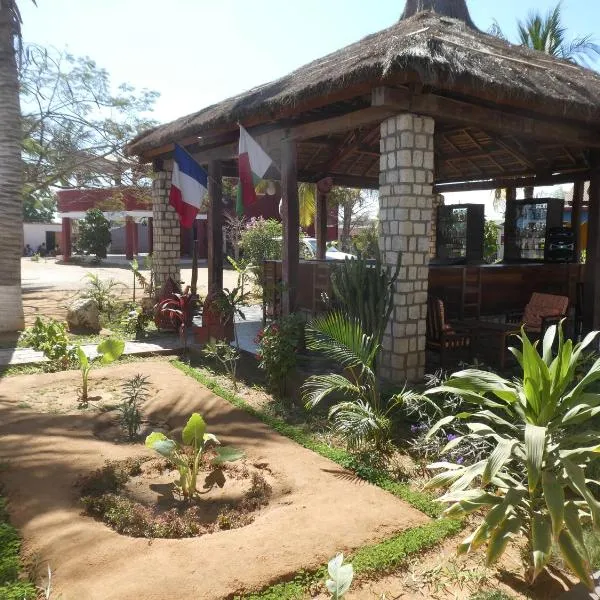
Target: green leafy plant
138, 279
135, 391
278, 344
259, 243
362, 419
102, 291
490, 241
35, 257
134, 319
243, 268
50, 337
94, 233
226, 355
187, 457
364, 291
108, 350
533, 482
366, 241
340, 577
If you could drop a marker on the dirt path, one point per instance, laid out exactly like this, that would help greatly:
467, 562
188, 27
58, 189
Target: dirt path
319, 509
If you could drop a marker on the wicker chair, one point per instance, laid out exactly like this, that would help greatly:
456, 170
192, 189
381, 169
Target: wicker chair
443, 337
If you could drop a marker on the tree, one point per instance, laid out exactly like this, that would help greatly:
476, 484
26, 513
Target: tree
94, 233
11, 228
354, 205
490, 241
548, 34
366, 241
39, 209
75, 127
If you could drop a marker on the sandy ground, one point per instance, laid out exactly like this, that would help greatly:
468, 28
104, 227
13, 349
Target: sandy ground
323, 510
49, 287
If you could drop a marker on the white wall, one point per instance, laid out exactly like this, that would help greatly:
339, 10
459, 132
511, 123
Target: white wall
34, 234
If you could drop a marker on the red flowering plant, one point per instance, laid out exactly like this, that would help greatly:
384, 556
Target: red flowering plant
278, 344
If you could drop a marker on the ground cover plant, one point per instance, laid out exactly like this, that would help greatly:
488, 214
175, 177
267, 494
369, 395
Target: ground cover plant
50, 337
533, 482
188, 456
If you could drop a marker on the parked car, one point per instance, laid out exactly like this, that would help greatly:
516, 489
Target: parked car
308, 250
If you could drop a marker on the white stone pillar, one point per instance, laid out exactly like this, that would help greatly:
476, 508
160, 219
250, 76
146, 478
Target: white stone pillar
405, 213
167, 243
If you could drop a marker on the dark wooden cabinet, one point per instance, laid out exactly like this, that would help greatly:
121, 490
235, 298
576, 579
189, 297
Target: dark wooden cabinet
460, 232
527, 225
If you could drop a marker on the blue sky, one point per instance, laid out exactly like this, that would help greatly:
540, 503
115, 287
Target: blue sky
196, 52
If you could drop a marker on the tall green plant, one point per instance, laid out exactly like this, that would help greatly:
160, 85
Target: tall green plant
361, 418
364, 291
544, 437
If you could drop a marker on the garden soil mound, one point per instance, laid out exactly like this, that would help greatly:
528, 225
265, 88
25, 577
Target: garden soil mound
319, 509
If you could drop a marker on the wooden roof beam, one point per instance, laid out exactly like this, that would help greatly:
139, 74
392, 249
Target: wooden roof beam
488, 119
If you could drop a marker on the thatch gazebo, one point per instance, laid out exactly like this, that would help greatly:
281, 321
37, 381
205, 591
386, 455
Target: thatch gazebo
428, 105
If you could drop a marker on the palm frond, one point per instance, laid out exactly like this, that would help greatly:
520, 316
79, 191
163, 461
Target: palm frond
343, 341
359, 424
307, 201
318, 387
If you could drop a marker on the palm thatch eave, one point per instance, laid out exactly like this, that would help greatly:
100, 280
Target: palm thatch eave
443, 53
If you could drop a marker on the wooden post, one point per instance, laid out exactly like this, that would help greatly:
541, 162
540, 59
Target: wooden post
66, 239
578, 189
136, 241
591, 292
323, 188
290, 215
150, 235
511, 251
129, 241
215, 228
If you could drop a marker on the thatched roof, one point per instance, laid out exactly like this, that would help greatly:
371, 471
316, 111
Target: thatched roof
444, 53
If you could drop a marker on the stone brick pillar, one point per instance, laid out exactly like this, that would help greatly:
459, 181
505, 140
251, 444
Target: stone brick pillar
166, 238
405, 213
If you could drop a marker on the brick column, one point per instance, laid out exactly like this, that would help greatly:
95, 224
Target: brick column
405, 213
166, 236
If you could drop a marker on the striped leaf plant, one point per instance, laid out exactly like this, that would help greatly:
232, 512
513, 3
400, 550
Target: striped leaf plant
544, 438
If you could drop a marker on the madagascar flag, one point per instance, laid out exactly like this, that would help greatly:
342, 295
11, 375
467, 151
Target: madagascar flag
253, 163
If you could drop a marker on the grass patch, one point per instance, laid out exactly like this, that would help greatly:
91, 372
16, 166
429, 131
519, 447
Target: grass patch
12, 586
490, 595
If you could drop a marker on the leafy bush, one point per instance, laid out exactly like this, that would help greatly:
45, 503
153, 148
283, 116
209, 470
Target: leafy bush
259, 243
109, 350
365, 292
94, 233
102, 292
187, 457
533, 483
135, 391
278, 344
135, 319
226, 355
362, 419
366, 241
50, 337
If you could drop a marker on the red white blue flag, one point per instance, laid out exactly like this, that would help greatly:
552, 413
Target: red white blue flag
189, 186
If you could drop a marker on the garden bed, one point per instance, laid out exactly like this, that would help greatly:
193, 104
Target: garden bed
316, 507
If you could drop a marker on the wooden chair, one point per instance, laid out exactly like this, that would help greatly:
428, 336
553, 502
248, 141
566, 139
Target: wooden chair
443, 337
542, 311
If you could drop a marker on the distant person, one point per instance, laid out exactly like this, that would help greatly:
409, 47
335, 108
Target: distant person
42, 249
27, 251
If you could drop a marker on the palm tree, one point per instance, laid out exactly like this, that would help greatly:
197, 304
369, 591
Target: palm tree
11, 209
549, 35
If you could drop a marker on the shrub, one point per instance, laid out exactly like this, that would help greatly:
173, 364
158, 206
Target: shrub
102, 292
135, 391
94, 233
187, 456
278, 344
366, 241
533, 483
365, 292
259, 243
50, 337
226, 355
362, 419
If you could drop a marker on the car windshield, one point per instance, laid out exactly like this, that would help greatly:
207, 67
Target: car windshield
312, 243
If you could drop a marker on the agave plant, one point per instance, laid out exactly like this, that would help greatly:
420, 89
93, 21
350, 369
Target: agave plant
361, 418
533, 483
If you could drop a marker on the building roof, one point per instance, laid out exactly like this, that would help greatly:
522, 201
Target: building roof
444, 54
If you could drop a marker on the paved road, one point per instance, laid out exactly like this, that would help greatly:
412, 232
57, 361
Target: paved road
49, 275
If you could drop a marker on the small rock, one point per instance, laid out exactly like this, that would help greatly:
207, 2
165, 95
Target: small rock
83, 313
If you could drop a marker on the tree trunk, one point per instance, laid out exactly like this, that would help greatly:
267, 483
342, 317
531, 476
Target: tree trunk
528, 192
11, 204
346, 225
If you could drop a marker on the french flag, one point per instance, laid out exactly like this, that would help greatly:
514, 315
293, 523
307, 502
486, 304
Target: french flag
189, 185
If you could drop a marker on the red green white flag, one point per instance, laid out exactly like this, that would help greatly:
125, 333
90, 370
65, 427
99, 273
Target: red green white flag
253, 163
